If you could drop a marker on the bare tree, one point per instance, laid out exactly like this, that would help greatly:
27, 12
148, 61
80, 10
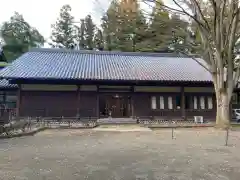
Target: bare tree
218, 24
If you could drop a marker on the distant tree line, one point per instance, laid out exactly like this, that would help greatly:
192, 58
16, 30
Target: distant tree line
125, 31
119, 31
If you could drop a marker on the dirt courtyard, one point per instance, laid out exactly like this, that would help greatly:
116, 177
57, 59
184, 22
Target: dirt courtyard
85, 154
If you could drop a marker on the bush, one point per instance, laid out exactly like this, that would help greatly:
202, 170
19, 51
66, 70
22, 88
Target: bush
13, 126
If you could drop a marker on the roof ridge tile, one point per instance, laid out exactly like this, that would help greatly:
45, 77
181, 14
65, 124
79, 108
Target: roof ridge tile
120, 53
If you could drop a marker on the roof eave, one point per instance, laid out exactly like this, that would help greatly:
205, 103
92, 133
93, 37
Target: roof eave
14, 80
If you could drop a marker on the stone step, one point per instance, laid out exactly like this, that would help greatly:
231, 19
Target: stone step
122, 128
116, 121
120, 125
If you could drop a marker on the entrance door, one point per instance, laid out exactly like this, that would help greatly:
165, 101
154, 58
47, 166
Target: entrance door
117, 106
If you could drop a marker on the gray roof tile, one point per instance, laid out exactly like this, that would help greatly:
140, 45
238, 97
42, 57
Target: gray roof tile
98, 65
4, 84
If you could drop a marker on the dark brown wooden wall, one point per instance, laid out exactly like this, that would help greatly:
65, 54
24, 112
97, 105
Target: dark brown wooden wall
55, 104
88, 104
141, 104
35, 103
47, 103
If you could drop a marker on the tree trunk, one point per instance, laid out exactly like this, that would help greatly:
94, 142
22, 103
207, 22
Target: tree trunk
223, 110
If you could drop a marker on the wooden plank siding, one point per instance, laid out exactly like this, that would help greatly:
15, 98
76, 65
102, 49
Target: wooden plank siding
88, 104
81, 100
47, 103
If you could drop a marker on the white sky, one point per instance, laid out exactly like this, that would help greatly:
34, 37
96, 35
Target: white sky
42, 13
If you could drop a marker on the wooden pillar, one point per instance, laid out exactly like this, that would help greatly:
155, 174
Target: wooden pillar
132, 101
98, 103
5, 98
78, 101
19, 99
183, 103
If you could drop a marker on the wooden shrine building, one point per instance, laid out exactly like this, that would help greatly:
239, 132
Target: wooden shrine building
70, 83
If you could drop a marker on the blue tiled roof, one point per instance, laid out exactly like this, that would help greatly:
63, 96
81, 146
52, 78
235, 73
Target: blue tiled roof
100, 65
4, 84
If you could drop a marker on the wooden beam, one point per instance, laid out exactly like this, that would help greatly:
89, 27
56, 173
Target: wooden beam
19, 99
98, 103
183, 103
78, 100
132, 101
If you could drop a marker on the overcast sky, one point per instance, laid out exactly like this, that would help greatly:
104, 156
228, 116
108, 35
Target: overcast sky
42, 13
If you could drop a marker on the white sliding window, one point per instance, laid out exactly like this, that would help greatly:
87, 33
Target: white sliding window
161, 101
202, 102
154, 102
195, 102
170, 102
210, 103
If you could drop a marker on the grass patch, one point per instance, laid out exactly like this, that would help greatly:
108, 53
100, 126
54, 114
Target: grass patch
3, 64
235, 125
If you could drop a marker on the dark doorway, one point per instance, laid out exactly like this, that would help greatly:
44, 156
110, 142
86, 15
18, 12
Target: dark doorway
116, 106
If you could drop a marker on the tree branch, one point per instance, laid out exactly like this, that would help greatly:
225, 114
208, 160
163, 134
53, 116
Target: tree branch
221, 27
201, 14
182, 11
195, 59
193, 17
232, 16
213, 2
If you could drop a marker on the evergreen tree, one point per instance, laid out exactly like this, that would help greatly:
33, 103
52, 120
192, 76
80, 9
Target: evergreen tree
160, 30
64, 32
140, 33
132, 28
183, 39
124, 29
89, 32
81, 37
2, 56
110, 23
98, 40
18, 36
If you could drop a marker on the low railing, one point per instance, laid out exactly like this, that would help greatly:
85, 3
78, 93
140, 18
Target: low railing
62, 121
169, 120
7, 115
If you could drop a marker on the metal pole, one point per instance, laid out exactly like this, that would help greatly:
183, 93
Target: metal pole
172, 134
227, 134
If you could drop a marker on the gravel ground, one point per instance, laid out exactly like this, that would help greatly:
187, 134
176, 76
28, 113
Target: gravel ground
85, 154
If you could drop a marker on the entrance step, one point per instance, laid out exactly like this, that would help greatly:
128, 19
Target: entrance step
122, 128
116, 121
